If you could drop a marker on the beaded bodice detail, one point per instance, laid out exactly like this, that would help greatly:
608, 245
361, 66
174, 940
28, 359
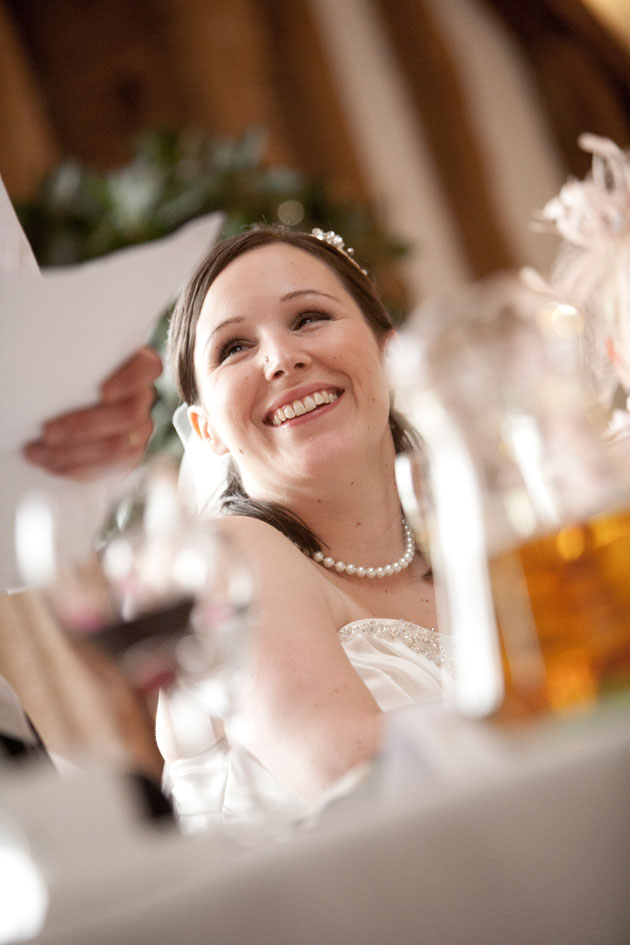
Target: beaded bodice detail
428, 643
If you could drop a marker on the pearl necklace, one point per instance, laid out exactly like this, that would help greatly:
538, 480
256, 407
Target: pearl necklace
385, 571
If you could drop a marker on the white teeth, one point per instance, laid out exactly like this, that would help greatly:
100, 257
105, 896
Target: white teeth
299, 407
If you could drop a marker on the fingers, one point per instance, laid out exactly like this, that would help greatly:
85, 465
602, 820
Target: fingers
82, 444
87, 459
101, 420
135, 375
113, 432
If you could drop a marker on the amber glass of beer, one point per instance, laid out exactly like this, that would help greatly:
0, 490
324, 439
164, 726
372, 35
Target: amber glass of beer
563, 609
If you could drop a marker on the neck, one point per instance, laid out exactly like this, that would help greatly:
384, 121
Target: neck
353, 517
354, 512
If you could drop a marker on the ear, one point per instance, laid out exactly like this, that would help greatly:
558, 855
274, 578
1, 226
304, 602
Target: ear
201, 425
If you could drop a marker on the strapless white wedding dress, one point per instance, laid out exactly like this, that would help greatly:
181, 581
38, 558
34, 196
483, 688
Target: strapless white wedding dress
400, 663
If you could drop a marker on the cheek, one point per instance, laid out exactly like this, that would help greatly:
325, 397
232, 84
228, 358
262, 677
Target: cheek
228, 402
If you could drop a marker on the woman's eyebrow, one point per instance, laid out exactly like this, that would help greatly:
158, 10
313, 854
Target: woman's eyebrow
283, 298
228, 321
296, 292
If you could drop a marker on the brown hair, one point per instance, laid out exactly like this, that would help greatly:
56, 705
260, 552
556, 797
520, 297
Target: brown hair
181, 346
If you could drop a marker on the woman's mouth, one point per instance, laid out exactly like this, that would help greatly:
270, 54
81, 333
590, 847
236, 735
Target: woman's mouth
297, 408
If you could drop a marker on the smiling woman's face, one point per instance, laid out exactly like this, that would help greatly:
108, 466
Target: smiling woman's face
289, 372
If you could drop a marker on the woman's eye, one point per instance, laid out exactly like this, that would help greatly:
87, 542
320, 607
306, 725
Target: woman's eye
306, 318
232, 347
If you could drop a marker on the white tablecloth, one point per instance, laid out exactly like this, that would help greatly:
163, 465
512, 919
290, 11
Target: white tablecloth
533, 850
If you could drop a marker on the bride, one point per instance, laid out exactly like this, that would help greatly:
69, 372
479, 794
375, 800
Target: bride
278, 348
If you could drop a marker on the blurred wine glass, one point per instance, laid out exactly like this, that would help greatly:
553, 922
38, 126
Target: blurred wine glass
166, 599
168, 564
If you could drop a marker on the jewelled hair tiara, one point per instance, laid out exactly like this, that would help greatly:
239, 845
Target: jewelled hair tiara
337, 242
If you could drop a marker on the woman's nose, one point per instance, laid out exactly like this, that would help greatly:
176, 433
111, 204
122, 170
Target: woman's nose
282, 358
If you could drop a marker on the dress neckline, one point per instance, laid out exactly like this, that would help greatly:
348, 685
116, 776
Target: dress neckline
387, 622
430, 643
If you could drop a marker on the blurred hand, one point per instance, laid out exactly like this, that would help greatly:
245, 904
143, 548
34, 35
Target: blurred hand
114, 432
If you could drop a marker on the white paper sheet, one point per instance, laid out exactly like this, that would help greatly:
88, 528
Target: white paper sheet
63, 332
16, 254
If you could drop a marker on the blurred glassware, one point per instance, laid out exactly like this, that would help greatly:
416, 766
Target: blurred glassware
527, 514
199, 726
169, 559
167, 598
129, 591
24, 895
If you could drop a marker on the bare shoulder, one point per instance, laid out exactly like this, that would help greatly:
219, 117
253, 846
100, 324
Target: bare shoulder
256, 537
285, 577
246, 526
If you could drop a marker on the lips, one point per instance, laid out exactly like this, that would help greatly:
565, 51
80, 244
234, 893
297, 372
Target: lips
301, 406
